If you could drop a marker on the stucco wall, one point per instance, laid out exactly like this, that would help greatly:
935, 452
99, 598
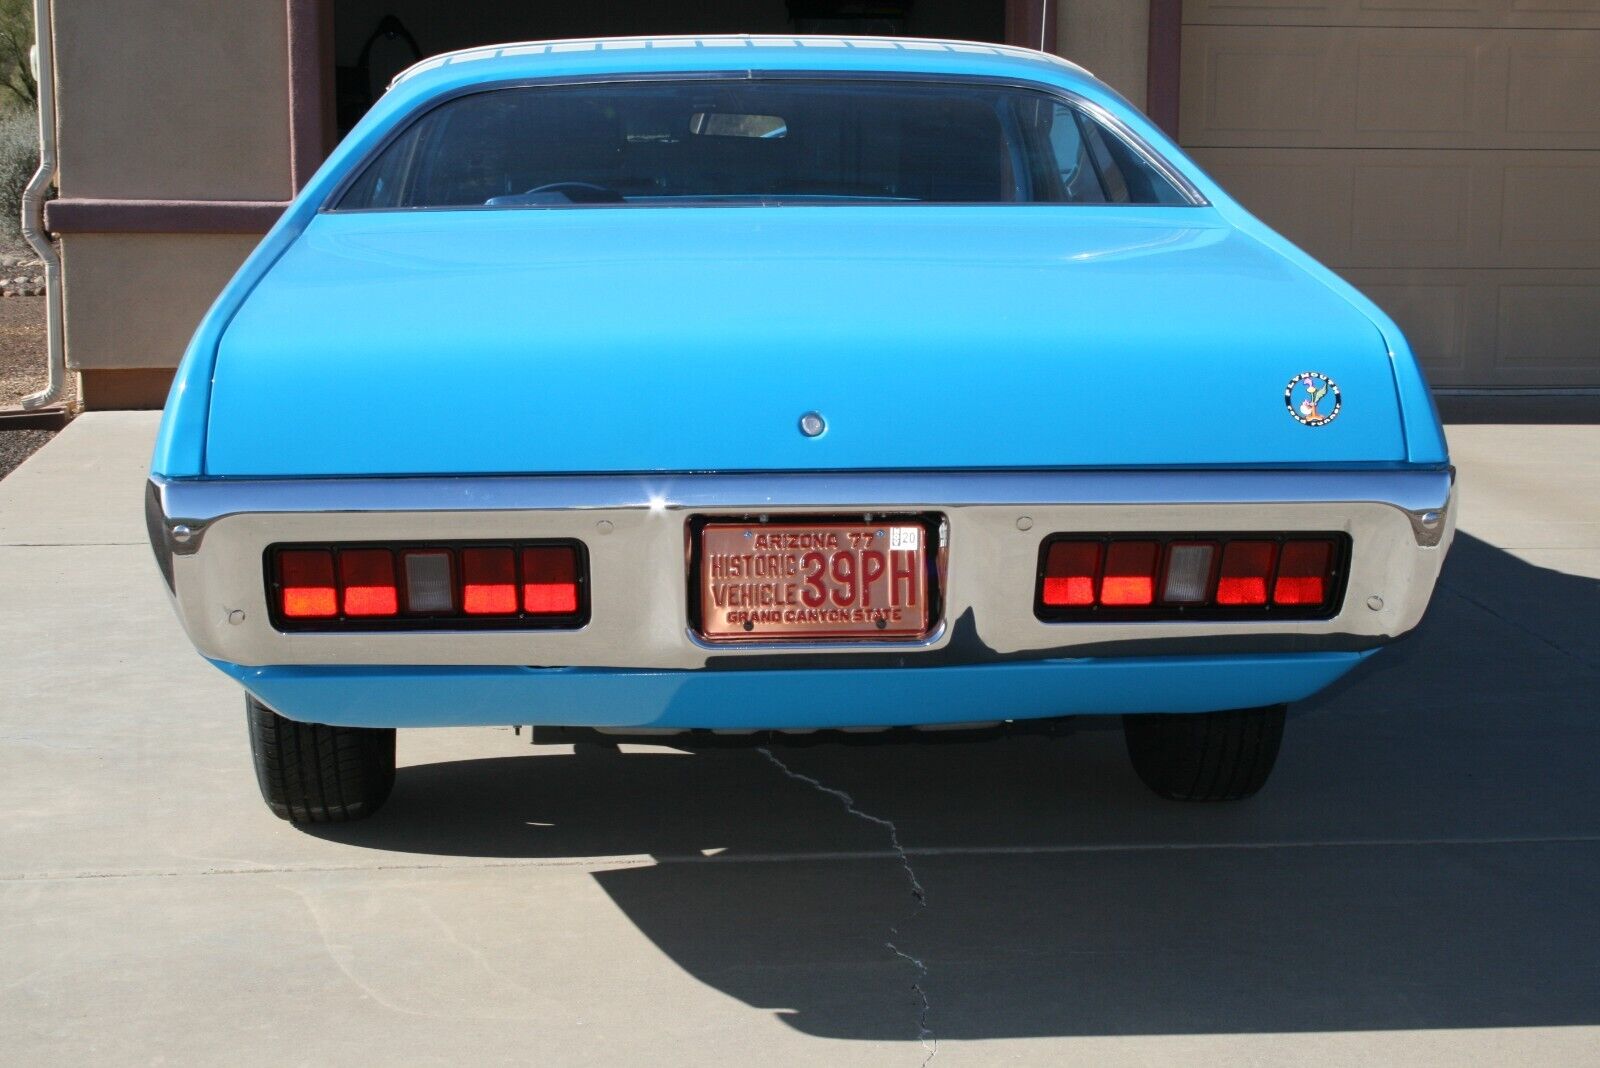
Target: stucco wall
133, 300
1110, 37
173, 99
163, 100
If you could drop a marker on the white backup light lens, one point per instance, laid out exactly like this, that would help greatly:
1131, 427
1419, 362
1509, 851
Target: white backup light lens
1188, 572
428, 585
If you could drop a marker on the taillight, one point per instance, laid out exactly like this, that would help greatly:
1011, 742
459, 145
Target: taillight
457, 586
549, 581
1188, 578
305, 585
1174, 576
366, 580
489, 582
1246, 570
1303, 571
429, 585
1072, 570
1130, 576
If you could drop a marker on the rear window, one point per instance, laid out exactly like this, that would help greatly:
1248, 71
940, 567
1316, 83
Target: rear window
778, 141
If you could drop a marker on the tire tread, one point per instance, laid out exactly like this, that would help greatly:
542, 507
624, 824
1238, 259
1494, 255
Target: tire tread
316, 773
1207, 756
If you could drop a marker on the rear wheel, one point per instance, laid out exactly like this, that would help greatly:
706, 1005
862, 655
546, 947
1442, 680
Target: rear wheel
1206, 756
314, 773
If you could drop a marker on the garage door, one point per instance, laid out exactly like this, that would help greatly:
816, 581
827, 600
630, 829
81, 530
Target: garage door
1443, 155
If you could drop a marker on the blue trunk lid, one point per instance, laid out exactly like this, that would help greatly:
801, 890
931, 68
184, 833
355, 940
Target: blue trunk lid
651, 339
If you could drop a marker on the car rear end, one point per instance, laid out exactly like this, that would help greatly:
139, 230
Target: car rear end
1072, 438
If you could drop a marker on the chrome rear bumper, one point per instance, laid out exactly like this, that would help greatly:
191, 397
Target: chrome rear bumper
210, 536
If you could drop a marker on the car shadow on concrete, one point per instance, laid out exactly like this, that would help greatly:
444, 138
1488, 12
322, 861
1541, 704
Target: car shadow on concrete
1426, 856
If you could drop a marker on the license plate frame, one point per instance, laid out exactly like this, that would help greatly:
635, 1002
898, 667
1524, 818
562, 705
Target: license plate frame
900, 604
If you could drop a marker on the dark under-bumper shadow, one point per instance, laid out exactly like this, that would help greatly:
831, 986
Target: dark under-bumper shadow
1427, 854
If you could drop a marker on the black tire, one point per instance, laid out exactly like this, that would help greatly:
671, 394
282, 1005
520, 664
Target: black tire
1206, 756
314, 773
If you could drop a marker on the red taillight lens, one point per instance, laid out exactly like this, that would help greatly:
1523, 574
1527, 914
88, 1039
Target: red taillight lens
1159, 575
1246, 569
305, 584
366, 577
488, 582
550, 580
1070, 571
1130, 576
451, 586
1304, 571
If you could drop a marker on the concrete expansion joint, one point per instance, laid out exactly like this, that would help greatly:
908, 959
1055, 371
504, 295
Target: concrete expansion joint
1500, 617
925, 1035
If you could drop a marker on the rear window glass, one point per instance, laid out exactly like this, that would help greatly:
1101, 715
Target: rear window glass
779, 141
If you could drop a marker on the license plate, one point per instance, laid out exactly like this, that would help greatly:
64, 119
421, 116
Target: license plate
813, 581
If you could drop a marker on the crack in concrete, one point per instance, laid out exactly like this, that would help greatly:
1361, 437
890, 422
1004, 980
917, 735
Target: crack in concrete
925, 1035
1515, 625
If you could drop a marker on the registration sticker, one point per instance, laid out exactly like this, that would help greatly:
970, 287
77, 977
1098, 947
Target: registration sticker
904, 537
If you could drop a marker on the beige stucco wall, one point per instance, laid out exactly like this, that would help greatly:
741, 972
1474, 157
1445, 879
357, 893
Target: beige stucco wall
173, 99
1445, 159
1110, 37
163, 100
133, 300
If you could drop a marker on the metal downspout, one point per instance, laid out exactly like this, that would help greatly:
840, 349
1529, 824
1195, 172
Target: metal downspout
33, 204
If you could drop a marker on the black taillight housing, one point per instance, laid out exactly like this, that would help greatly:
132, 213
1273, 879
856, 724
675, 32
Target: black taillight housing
1173, 575
428, 585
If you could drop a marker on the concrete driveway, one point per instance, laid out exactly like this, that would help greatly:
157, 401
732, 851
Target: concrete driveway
1419, 883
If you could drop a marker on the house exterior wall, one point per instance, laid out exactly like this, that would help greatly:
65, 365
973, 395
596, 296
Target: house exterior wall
1445, 158
172, 99
160, 101
1109, 37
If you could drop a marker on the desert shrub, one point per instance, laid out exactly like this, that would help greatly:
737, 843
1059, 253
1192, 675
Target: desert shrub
19, 158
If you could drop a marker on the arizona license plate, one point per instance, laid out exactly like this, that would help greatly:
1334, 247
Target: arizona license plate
813, 581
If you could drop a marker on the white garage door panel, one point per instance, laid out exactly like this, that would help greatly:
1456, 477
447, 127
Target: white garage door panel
1393, 208
1528, 14
1443, 155
1330, 87
1494, 327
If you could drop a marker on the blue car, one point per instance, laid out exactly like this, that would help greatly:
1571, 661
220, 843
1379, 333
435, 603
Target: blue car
730, 390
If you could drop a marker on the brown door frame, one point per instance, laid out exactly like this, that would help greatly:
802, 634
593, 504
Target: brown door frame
1031, 24
1164, 52
311, 87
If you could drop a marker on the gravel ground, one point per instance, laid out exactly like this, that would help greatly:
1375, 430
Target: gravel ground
22, 350
17, 445
22, 371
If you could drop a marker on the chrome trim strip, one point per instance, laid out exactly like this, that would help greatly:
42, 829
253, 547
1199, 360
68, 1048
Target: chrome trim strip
1143, 148
635, 529
202, 501
727, 41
